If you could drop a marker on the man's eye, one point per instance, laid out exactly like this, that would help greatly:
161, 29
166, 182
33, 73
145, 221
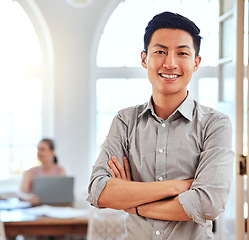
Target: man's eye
160, 52
183, 53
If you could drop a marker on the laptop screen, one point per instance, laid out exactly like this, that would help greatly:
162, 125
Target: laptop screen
54, 190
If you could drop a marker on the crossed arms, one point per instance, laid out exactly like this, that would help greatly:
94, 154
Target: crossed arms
171, 200
156, 200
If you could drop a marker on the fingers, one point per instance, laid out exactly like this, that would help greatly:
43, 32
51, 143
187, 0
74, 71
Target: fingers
114, 171
190, 181
117, 170
127, 168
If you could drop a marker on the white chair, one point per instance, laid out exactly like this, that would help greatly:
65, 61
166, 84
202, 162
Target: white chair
2, 231
106, 224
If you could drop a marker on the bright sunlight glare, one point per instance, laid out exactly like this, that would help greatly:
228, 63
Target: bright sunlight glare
18, 43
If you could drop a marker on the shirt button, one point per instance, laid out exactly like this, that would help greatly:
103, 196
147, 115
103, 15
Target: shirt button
160, 179
163, 125
160, 150
157, 233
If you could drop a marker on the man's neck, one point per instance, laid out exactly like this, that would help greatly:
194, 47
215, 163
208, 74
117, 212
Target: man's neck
165, 105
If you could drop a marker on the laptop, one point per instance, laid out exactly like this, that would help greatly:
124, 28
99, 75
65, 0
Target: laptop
54, 190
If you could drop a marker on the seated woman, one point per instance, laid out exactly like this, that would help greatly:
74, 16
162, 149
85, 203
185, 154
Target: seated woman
49, 167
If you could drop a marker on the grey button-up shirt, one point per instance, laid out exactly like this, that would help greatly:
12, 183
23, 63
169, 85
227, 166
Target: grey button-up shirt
194, 142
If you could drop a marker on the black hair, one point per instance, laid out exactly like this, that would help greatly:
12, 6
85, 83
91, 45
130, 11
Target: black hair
51, 145
172, 21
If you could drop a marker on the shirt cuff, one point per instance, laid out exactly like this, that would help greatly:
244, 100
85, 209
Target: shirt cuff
192, 206
96, 189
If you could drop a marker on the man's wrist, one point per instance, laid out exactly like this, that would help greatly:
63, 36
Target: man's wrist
136, 208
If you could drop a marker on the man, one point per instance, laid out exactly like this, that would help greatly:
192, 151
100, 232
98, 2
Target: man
176, 153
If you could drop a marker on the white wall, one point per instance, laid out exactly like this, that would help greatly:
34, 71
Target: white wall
73, 33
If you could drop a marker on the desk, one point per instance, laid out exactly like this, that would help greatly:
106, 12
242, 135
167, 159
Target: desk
17, 222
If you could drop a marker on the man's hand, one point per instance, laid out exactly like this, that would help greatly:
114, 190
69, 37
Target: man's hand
131, 210
182, 186
121, 192
117, 170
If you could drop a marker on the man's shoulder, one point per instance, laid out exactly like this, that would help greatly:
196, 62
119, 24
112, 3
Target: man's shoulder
132, 112
209, 113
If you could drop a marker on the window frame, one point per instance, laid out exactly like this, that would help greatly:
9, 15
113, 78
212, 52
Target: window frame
44, 72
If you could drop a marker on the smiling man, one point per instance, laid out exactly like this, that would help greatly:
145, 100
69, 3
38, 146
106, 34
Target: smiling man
168, 162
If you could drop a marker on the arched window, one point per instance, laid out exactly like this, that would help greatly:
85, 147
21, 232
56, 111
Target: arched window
21, 91
122, 82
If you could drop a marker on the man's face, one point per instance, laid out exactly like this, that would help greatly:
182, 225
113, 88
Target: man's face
170, 61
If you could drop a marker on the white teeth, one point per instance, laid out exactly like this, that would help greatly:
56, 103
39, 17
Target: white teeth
169, 76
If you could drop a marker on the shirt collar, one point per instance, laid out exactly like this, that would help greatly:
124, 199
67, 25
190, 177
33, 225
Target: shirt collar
148, 106
185, 109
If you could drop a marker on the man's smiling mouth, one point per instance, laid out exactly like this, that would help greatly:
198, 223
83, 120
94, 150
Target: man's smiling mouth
169, 76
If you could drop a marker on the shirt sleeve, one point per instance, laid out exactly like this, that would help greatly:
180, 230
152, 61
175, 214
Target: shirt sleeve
114, 145
209, 192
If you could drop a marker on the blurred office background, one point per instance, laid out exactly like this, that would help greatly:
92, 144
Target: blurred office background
68, 66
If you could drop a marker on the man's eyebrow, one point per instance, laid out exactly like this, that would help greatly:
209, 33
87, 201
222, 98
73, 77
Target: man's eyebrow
184, 46
165, 47
160, 45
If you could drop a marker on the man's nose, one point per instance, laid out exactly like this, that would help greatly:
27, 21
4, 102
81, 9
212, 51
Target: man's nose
170, 61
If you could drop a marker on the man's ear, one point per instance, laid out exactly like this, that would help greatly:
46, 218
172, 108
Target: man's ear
144, 59
197, 63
